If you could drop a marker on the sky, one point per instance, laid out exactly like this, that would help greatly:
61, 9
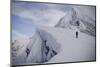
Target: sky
26, 16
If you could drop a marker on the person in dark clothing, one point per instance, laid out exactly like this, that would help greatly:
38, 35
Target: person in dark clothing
76, 34
27, 52
77, 23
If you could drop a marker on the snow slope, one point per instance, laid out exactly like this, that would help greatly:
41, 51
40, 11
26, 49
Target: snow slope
71, 48
62, 44
35, 44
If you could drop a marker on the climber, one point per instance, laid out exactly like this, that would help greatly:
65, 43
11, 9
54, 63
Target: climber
77, 24
76, 34
27, 51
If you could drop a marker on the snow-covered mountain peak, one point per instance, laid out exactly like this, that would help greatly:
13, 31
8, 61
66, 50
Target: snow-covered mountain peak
78, 18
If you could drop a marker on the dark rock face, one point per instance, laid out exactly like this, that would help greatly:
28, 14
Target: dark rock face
47, 52
49, 47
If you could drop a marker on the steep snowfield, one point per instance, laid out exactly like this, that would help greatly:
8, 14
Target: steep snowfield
35, 44
71, 48
61, 46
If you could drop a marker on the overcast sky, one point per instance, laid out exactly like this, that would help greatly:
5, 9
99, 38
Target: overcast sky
27, 15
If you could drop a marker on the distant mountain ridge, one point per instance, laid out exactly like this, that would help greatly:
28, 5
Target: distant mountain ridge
86, 23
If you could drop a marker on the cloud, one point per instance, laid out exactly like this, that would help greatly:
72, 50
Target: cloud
16, 35
42, 14
61, 7
47, 17
86, 10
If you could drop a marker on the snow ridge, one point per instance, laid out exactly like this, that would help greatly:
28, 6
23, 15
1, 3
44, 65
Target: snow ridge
86, 23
